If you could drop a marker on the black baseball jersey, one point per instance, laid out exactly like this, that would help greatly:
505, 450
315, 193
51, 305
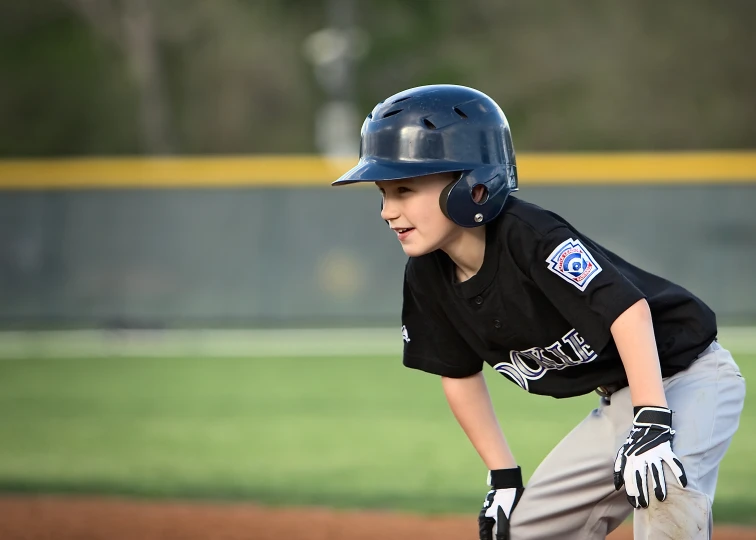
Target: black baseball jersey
540, 308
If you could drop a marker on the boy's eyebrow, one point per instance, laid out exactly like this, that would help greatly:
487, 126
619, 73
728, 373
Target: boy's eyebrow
399, 182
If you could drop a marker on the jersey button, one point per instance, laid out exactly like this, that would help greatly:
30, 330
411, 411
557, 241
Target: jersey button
479, 300
497, 323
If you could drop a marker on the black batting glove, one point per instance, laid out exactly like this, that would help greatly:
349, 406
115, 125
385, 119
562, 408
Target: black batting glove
500, 501
648, 445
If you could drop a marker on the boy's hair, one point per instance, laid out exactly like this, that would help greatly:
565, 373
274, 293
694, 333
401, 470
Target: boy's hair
437, 129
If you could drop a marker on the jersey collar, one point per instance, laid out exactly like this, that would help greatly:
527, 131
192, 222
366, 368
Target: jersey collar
480, 281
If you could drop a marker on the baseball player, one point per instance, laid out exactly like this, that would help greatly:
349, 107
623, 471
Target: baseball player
492, 279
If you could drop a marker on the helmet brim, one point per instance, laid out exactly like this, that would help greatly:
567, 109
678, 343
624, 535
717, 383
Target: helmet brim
372, 170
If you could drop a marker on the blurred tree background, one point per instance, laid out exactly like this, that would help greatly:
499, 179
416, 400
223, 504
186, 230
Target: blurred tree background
108, 77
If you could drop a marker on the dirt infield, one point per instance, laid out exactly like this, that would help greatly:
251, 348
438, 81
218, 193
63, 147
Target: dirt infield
58, 518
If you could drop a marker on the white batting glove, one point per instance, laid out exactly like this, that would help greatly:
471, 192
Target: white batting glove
500, 502
648, 445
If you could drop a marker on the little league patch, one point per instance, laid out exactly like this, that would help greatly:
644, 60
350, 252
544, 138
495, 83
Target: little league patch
572, 262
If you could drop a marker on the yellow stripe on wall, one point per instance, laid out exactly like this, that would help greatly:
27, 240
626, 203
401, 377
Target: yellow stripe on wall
299, 171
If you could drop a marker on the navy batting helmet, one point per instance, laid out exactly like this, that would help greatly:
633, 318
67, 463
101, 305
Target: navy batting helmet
437, 129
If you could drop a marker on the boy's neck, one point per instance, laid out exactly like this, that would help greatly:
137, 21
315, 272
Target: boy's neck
467, 251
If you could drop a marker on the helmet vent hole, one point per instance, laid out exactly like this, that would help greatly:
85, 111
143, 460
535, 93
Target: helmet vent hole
480, 194
401, 99
392, 113
460, 112
429, 124
370, 115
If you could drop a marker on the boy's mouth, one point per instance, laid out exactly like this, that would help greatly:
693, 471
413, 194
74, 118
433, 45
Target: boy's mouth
403, 232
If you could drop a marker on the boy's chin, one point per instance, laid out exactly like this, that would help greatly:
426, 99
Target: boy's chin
415, 251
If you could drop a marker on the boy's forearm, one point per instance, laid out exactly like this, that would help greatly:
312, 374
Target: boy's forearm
633, 333
471, 404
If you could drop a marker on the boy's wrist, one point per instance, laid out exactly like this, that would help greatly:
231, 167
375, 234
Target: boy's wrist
648, 396
505, 478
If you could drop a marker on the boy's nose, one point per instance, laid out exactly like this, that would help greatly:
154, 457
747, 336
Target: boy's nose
388, 210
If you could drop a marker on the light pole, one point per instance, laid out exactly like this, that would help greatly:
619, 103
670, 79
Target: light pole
333, 52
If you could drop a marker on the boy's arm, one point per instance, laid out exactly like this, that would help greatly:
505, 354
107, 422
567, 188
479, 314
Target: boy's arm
649, 443
471, 404
633, 332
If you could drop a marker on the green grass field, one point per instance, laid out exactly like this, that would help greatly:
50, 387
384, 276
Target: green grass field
344, 432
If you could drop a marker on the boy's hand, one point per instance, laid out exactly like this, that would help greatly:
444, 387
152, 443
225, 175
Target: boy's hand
500, 502
649, 444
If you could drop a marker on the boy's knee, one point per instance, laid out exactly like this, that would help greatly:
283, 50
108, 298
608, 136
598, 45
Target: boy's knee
686, 513
517, 531
519, 522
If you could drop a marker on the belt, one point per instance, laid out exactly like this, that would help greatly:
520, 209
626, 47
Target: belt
607, 390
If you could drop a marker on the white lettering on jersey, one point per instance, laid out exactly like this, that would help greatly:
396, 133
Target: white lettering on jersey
580, 347
533, 363
405, 334
572, 262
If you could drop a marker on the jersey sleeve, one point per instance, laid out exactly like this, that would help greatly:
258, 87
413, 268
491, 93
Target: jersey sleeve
580, 281
431, 343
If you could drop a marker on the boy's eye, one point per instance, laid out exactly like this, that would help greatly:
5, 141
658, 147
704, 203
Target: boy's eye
403, 189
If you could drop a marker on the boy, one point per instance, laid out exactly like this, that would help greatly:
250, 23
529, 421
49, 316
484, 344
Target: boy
493, 279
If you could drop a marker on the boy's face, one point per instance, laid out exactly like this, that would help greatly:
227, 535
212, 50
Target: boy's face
412, 210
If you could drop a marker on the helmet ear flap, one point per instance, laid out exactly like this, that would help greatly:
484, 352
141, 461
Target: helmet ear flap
457, 199
443, 199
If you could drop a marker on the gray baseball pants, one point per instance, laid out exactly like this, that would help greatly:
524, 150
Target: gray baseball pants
571, 494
